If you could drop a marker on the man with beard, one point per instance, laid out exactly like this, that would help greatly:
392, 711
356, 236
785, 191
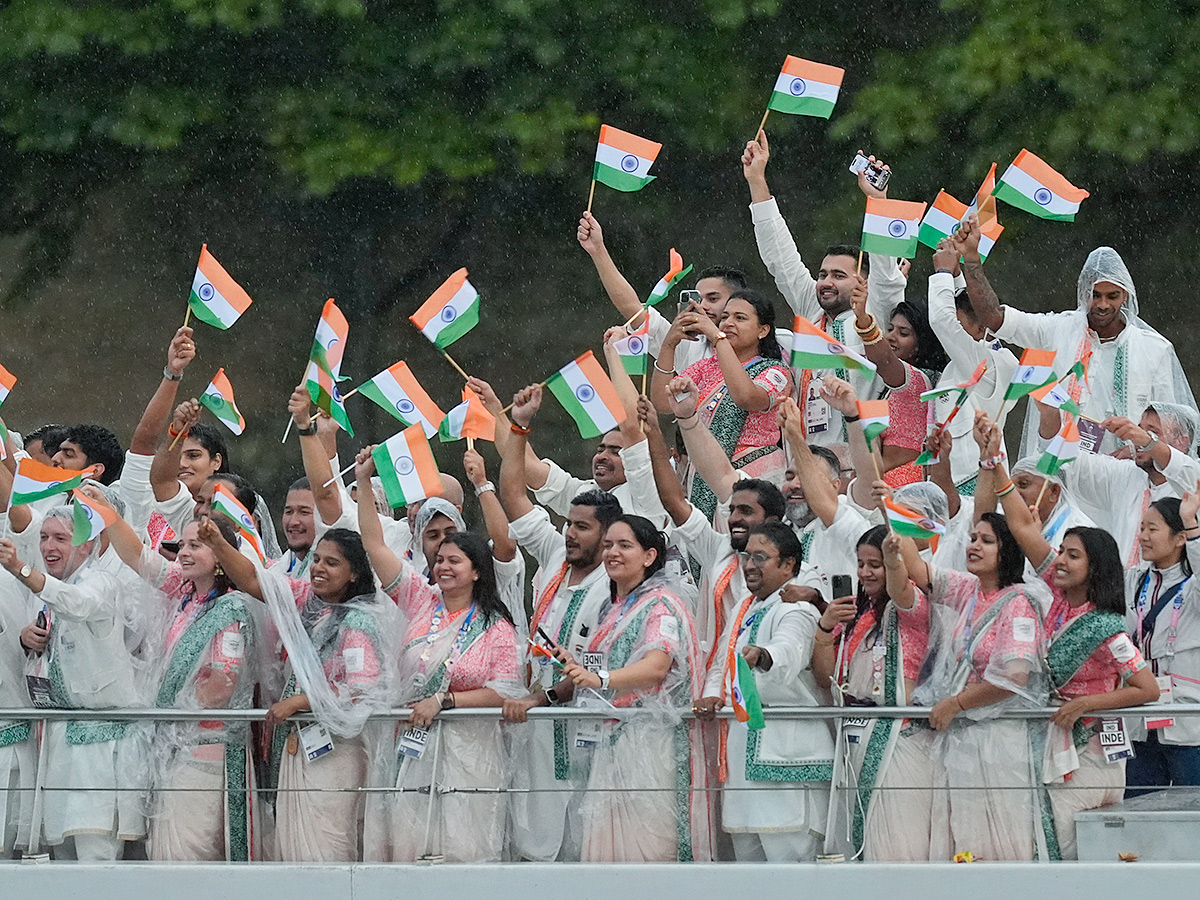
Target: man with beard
570, 591
1114, 492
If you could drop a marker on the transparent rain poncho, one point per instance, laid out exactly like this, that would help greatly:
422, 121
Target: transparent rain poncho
436, 506
646, 793
991, 800
926, 498
446, 803
1105, 264
1180, 424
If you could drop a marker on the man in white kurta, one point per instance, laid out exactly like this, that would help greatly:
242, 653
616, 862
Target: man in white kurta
777, 780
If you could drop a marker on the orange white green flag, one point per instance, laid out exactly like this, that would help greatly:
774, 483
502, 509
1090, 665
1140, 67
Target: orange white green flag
743, 695
984, 204
7, 382
218, 399
1057, 394
450, 312
623, 160
674, 275
225, 503
36, 481
1035, 370
1030, 184
873, 415
951, 388
325, 364
90, 518
216, 298
806, 88
1063, 448
406, 467
813, 349
890, 227
468, 420
634, 350
941, 220
397, 390
585, 391
910, 523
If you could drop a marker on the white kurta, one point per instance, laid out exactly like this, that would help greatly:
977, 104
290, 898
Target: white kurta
831, 549
635, 499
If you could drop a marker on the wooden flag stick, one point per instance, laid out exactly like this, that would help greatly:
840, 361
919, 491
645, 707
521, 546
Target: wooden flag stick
858, 271
339, 475
629, 321
187, 318
510, 406
591, 194
1041, 493
457, 367
287, 430
763, 122
470, 443
176, 441
349, 394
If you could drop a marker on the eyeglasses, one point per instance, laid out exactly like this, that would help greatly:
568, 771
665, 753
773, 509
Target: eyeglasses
759, 559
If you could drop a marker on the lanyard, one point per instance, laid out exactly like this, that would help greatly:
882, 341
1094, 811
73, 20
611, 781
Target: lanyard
435, 625
1056, 523
1176, 610
598, 640
969, 626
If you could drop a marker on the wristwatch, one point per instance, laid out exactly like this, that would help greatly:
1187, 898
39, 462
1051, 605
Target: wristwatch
1149, 444
26, 571
309, 429
447, 700
484, 488
552, 697
603, 673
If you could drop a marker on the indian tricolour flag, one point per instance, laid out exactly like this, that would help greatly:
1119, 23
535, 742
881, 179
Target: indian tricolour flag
7, 381
806, 88
623, 160
218, 397
397, 390
1063, 448
910, 523
216, 298
225, 503
942, 219
468, 420
674, 275
813, 349
988, 235
1030, 184
1057, 394
873, 414
406, 467
984, 204
951, 388
890, 227
1035, 370
743, 694
36, 481
450, 312
585, 391
325, 364
634, 350
90, 518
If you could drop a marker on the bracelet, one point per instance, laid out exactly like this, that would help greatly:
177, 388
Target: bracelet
949, 272
171, 376
484, 488
991, 462
873, 341
308, 430
1006, 490
519, 429
658, 368
958, 700
683, 427
853, 418
823, 628
172, 433
867, 330
824, 643
721, 336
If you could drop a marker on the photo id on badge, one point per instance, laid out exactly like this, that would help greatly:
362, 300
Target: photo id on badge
413, 741
1114, 740
316, 741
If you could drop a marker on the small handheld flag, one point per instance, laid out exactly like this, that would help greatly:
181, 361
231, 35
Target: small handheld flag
225, 503
90, 518
873, 414
806, 88
467, 420
218, 399
7, 381
964, 387
812, 348
910, 523
623, 160
325, 364
890, 227
450, 312
397, 390
941, 220
674, 275
35, 481
1058, 395
1035, 370
634, 350
1030, 184
216, 298
743, 692
1063, 448
406, 467
585, 391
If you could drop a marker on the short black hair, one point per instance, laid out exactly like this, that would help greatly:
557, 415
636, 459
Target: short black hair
733, 278
785, 541
605, 507
770, 498
830, 458
99, 445
51, 437
213, 442
962, 302
852, 251
300, 484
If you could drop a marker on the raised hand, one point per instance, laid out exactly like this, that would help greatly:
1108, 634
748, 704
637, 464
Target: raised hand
945, 257
526, 402
590, 235
683, 397
181, 351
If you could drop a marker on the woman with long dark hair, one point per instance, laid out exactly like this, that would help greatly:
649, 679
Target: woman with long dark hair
1091, 661
645, 800
871, 648
460, 651
740, 386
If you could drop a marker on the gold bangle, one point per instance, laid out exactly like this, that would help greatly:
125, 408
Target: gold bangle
867, 330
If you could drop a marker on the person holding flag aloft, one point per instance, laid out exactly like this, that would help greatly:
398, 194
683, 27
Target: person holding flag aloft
870, 649
776, 784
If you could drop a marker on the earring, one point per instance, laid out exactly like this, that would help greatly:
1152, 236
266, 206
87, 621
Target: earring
219, 571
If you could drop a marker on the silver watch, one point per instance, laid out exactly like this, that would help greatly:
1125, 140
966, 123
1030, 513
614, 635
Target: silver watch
484, 488
26, 571
603, 673
1149, 444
